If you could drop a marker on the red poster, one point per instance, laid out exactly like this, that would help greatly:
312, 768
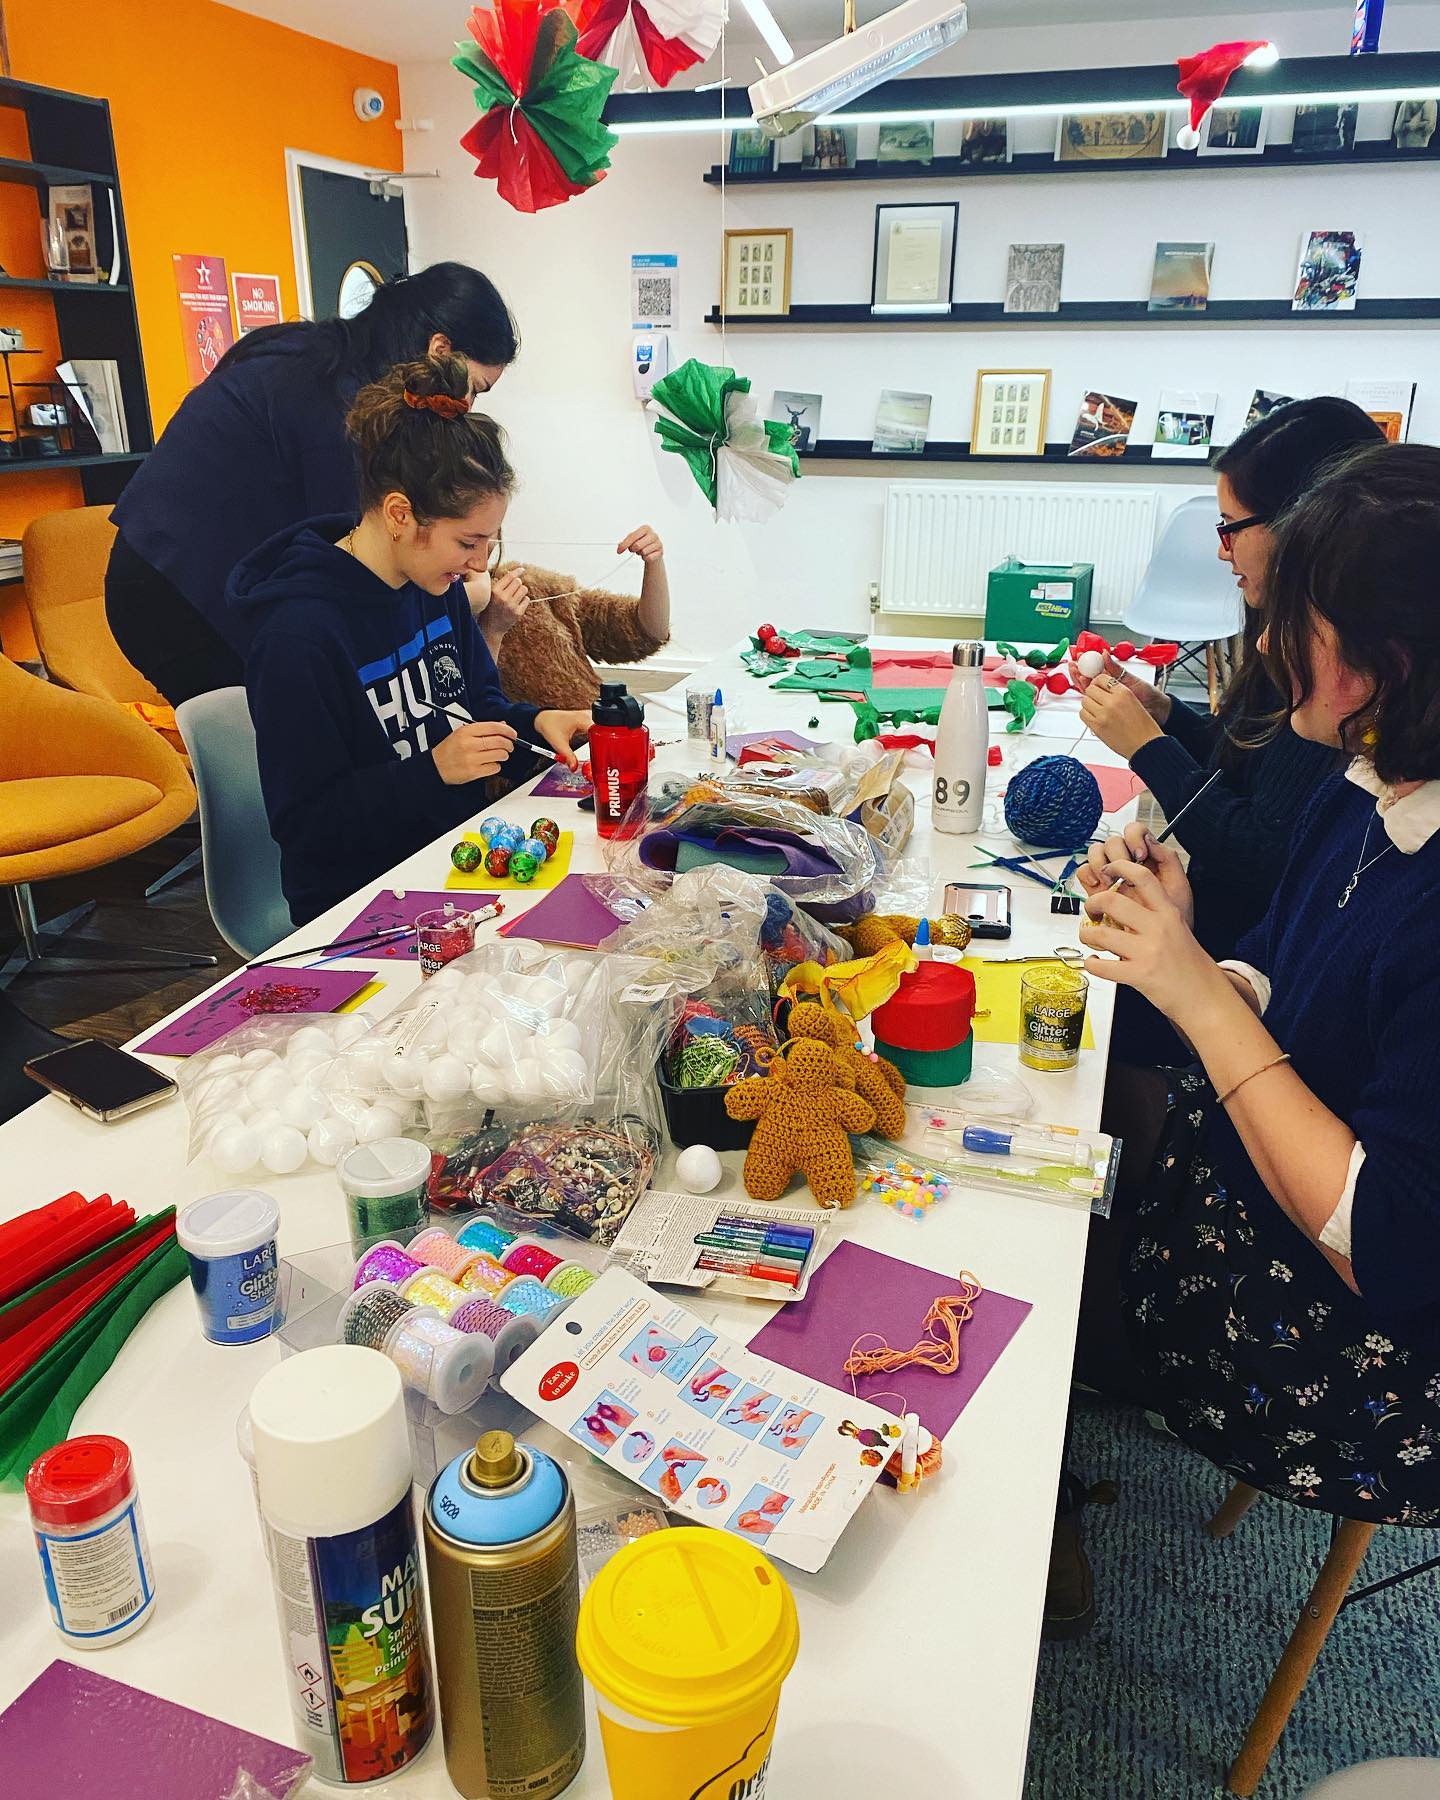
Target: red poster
205, 322
257, 301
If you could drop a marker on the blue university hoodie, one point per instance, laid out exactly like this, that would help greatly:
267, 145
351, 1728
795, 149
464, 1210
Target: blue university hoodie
341, 675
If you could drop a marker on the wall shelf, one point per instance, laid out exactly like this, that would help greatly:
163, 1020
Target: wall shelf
63, 287
28, 465
943, 450
1084, 312
1365, 154
39, 174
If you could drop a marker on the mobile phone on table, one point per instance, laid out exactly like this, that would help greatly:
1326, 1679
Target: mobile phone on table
986, 907
103, 1082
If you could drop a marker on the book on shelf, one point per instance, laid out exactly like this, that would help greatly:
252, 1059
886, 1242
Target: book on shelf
1104, 425
1388, 404
902, 423
94, 385
1328, 277
1180, 280
12, 563
1184, 426
802, 412
1032, 278
1263, 402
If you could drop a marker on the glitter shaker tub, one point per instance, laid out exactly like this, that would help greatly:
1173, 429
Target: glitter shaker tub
387, 1191
687, 1637
229, 1241
1052, 1017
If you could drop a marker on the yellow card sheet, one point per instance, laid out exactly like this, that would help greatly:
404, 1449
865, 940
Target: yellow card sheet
550, 872
356, 1001
997, 995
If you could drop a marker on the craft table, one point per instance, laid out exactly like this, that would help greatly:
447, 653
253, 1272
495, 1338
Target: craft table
919, 1638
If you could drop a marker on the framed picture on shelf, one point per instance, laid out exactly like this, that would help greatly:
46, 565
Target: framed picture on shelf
72, 213
1263, 402
906, 141
1233, 131
803, 414
902, 423
756, 273
829, 147
1328, 277
1414, 126
751, 153
1011, 407
914, 268
985, 141
1104, 425
1111, 137
1324, 130
1032, 278
1184, 426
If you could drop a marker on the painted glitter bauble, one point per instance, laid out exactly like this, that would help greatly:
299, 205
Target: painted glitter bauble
535, 847
523, 867
548, 833
497, 862
466, 856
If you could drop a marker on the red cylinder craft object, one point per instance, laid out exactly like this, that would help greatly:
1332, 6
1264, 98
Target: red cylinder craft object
924, 1028
619, 759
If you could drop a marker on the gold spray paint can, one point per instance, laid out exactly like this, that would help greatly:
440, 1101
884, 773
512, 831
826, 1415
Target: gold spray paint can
504, 1581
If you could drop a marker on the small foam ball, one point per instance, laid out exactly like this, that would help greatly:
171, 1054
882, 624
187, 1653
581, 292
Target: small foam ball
348, 1029
548, 833
446, 1078
283, 1149
1054, 804
1090, 663
268, 1087
378, 1122
309, 1062
509, 837
465, 856
258, 1059
490, 824
698, 1169
307, 1040
329, 1139
405, 1075
302, 1108
236, 1149
1187, 138
224, 1064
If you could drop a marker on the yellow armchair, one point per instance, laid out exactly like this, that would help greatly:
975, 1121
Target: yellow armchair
81, 785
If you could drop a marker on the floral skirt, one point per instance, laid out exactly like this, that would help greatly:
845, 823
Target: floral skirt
1298, 1395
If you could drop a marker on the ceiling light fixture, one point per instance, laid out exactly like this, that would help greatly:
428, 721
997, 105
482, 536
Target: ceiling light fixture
855, 63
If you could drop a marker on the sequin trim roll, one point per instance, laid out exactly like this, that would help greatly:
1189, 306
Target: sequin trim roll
431, 1288
481, 1314
438, 1250
485, 1276
570, 1280
385, 1262
371, 1314
525, 1258
525, 1298
485, 1235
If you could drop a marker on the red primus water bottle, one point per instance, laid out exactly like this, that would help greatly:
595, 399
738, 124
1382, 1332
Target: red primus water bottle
619, 758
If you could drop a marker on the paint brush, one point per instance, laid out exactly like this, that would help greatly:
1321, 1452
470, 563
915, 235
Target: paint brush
543, 751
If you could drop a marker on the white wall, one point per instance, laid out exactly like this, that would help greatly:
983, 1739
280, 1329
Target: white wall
588, 458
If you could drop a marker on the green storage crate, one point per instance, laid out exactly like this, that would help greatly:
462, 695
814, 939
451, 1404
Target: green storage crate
1038, 603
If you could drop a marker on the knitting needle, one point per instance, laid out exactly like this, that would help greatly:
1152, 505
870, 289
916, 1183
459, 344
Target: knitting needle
1205, 786
464, 719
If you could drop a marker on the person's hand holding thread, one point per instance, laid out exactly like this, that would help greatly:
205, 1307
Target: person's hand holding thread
1105, 863
644, 542
472, 752
560, 728
1110, 708
1155, 700
1152, 948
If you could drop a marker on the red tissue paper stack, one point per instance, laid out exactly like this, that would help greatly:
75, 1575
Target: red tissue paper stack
76, 1277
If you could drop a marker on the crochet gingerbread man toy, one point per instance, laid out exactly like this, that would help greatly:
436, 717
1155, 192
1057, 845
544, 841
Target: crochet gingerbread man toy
875, 930
804, 1106
877, 1081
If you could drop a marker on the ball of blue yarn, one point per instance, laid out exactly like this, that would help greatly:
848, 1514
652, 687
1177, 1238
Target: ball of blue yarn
1054, 804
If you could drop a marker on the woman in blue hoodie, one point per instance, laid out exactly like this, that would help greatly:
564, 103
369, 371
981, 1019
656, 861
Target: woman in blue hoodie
364, 651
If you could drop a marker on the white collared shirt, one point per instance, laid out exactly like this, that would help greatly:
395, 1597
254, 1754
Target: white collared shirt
1410, 821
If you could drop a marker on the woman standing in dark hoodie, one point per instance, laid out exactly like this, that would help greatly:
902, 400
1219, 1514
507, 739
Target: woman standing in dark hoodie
260, 445
363, 648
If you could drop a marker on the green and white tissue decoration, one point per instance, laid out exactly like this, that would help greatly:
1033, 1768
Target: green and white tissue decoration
744, 465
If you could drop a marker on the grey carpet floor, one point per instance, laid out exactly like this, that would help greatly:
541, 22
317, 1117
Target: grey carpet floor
1155, 1702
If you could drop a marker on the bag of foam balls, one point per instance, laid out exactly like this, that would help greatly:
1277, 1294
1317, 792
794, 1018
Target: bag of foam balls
276, 1093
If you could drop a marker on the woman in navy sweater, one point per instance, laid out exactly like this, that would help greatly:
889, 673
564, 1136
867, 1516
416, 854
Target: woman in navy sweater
260, 445
1282, 1281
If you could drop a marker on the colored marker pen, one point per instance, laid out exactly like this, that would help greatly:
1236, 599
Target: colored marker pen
790, 1234
756, 1247
761, 1236
716, 1264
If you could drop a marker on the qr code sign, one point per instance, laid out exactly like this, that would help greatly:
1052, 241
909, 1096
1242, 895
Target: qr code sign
652, 297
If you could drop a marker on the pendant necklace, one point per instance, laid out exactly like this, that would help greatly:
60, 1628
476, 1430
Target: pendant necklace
1361, 866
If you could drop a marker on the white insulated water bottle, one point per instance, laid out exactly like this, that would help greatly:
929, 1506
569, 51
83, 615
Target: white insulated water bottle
962, 743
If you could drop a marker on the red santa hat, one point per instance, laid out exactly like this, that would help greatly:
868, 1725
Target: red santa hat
1203, 78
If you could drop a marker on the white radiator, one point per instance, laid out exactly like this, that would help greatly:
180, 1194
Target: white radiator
942, 538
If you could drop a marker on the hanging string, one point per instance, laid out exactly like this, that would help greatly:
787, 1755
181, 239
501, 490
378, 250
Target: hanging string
938, 1350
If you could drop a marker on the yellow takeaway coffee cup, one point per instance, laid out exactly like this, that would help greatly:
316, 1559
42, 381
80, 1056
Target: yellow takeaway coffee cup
685, 1637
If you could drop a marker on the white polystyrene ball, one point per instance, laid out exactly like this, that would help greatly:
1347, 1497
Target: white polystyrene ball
464, 1039
1187, 138
268, 1087
264, 1117
406, 1074
558, 1034
302, 1107
330, 1138
562, 1072
223, 1121
698, 1169
258, 1059
348, 1029
524, 1080
282, 1149
1090, 663
486, 1082
379, 1122
308, 1037
364, 1064
236, 1149
447, 1078
495, 1046
219, 1090
308, 1063
223, 1064
448, 980
436, 1029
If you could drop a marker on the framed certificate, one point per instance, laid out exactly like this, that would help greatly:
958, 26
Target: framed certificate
1010, 409
756, 273
914, 257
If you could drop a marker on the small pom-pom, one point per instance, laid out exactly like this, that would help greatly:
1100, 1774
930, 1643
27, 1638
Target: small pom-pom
1187, 138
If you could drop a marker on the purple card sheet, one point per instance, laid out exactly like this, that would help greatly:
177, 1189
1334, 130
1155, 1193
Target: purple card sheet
737, 742
254, 994
75, 1734
857, 1290
560, 784
572, 915
385, 910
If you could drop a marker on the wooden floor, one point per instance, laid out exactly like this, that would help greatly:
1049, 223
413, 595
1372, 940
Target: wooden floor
117, 1006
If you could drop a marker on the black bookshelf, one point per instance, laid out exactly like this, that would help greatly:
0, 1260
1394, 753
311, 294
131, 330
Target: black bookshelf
71, 141
945, 450
858, 316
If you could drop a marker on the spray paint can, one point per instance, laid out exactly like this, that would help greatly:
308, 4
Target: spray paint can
500, 1553
332, 1469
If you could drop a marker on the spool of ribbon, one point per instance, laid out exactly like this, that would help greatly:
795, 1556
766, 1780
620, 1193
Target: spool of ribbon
386, 1261
509, 1333
438, 1250
526, 1299
485, 1276
430, 1288
526, 1257
485, 1235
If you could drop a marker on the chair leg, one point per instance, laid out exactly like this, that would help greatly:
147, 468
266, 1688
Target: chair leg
181, 869
36, 951
1232, 1510
1211, 679
1347, 1551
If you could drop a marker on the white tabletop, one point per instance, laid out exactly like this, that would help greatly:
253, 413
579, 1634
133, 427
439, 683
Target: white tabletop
918, 1639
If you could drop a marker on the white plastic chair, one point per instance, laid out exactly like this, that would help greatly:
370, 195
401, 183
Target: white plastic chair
1187, 595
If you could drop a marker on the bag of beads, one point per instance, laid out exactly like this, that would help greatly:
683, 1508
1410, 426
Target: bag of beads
582, 1177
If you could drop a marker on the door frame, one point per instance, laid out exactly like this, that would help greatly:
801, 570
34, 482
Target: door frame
295, 160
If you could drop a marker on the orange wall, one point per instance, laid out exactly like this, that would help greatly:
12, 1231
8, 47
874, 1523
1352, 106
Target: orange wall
204, 102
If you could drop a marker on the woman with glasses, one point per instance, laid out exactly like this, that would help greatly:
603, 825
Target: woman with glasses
1239, 829
546, 633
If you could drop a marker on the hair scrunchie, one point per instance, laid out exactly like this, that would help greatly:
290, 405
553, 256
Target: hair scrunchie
446, 405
